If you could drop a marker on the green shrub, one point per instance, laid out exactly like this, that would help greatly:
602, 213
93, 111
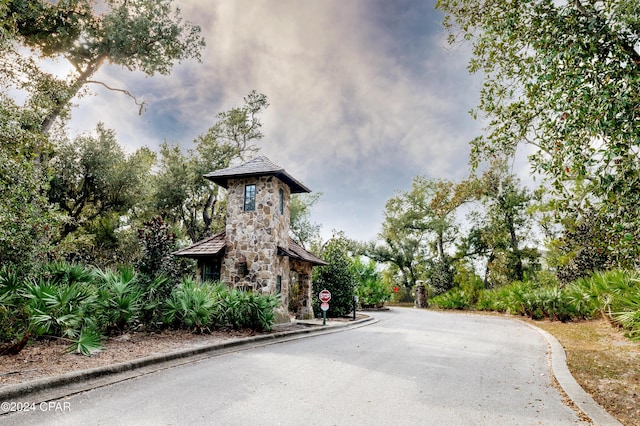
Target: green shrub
554, 304
455, 298
530, 299
65, 273
402, 294
337, 277
202, 307
612, 294
371, 289
14, 316
87, 341
597, 293
56, 310
190, 306
615, 294
154, 292
58, 304
468, 282
119, 299
244, 309
258, 311
627, 315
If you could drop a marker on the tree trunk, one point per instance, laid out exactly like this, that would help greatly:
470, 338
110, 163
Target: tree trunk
89, 71
15, 348
519, 273
440, 245
487, 269
207, 212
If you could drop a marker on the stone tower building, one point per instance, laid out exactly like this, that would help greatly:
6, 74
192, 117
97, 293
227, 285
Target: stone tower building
255, 252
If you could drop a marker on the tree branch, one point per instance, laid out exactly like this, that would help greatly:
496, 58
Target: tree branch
141, 105
629, 49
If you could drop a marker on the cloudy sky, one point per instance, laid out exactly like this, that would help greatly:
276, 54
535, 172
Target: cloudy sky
364, 95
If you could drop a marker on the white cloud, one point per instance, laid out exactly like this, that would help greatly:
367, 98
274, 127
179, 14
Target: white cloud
357, 107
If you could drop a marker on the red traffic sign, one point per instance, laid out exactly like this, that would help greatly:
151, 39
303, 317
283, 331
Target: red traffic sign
324, 306
325, 296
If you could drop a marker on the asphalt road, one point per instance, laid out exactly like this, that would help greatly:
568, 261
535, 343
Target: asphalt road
412, 367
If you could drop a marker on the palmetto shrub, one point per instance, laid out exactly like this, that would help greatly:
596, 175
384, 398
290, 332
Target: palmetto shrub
455, 298
594, 293
554, 304
55, 310
627, 314
257, 310
526, 298
119, 300
64, 311
614, 294
515, 298
14, 317
155, 291
201, 307
65, 273
239, 309
61, 300
191, 306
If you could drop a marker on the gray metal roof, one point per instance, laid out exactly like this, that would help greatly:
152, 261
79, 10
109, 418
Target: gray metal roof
259, 166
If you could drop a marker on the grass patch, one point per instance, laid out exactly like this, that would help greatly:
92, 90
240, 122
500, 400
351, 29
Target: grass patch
604, 362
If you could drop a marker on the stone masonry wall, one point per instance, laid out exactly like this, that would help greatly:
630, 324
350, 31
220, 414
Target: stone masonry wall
253, 236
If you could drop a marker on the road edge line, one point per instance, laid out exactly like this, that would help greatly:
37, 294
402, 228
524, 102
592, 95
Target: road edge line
575, 392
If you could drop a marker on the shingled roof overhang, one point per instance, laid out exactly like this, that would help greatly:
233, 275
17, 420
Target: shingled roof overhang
215, 246
209, 247
295, 251
259, 166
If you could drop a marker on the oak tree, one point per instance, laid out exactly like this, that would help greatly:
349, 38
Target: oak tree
145, 35
92, 177
182, 196
418, 231
501, 227
562, 77
302, 229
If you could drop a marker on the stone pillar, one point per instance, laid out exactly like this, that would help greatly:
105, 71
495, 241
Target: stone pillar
306, 311
422, 300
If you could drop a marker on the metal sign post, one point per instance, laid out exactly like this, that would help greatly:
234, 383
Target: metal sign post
355, 306
325, 307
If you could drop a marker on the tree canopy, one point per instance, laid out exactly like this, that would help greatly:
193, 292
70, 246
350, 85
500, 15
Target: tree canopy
302, 229
145, 35
501, 227
92, 177
181, 194
562, 76
418, 229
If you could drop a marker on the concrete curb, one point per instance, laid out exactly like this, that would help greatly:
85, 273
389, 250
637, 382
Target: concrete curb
574, 391
68, 384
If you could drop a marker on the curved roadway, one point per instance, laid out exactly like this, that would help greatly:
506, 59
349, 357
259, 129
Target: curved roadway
411, 367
